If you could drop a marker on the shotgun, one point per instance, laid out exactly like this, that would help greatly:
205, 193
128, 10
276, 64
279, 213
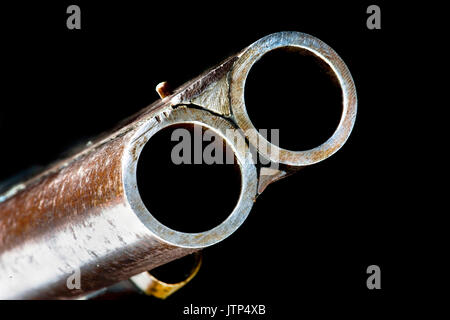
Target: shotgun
85, 213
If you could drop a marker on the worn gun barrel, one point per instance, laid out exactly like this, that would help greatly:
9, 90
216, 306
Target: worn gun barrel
85, 212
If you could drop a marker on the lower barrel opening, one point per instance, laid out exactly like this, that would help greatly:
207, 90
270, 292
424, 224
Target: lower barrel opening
178, 183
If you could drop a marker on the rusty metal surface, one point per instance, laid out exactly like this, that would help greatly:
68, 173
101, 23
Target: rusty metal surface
86, 212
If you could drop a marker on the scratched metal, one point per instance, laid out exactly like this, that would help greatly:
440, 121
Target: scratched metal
301, 41
85, 212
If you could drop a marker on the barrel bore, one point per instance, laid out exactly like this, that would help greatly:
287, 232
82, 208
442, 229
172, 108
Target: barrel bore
191, 196
303, 89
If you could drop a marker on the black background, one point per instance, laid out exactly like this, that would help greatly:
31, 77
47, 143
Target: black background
309, 238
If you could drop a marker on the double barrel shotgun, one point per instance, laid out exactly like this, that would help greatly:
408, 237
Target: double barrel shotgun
85, 212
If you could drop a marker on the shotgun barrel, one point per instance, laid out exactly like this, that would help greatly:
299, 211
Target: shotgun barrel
85, 213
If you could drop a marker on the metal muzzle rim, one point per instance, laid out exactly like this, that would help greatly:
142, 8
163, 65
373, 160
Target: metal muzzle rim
239, 74
186, 115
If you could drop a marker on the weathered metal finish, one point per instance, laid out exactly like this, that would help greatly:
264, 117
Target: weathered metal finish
86, 213
301, 41
76, 217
